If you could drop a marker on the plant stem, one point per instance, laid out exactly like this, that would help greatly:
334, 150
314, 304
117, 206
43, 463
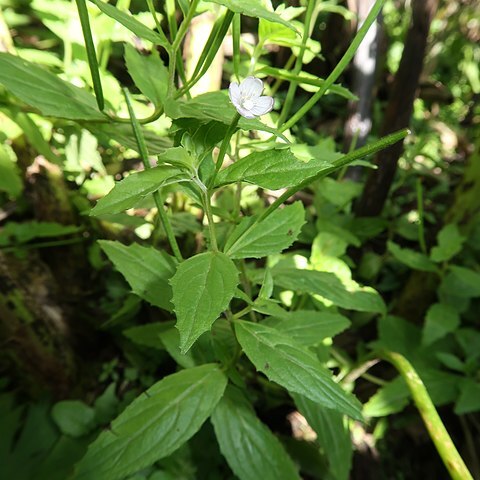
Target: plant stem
421, 231
435, 427
341, 66
298, 62
211, 224
157, 196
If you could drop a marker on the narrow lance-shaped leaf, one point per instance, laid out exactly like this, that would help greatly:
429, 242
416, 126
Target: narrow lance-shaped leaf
272, 235
250, 448
155, 424
202, 289
293, 367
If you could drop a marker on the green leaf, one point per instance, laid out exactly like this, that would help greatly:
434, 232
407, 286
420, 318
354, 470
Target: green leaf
18, 233
252, 8
440, 320
74, 418
411, 258
333, 435
214, 106
202, 289
328, 286
450, 243
293, 367
46, 92
391, 398
133, 24
148, 73
304, 78
10, 177
250, 448
271, 235
462, 282
148, 335
128, 192
309, 327
469, 399
146, 269
273, 169
155, 424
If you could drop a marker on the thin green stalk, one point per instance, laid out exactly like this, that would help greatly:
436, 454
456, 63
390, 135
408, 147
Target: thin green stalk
236, 33
341, 66
435, 427
91, 55
298, 62
53, 243
184, 26
421, 230
153, 12
279, 80
223, 148
142, 147
211, 225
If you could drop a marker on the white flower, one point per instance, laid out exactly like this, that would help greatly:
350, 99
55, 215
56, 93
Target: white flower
247, 98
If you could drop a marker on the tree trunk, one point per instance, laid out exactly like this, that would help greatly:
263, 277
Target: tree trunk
399, 109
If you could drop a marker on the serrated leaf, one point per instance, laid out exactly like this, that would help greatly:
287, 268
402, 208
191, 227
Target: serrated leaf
148, 73
328, 286
273, 169
46, 92
411, 258
132, 24
271, 235
293, 367
440, 320
250, 448
253, 8
450, 243
128, 192
333, 435
155, 424
146, 269
202, 289
309, 327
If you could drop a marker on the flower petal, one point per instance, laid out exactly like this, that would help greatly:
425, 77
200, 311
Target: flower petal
251, 87
263, 105
234, 93
244, 112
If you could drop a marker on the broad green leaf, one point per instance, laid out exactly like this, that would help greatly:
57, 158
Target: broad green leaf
128, 192
250, 448
462, 282
293, 367
133, 24
328, 286
74, 418
391, 398
469, 399
333, 435
18, 233
272, 169
202, 289
305, 79
213, 106
155, 424
10, 178
450, 243
146, 269
440, 320
252, 8
148, 73
411, 258
148, 335
271, 235
309, 327
46, 92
